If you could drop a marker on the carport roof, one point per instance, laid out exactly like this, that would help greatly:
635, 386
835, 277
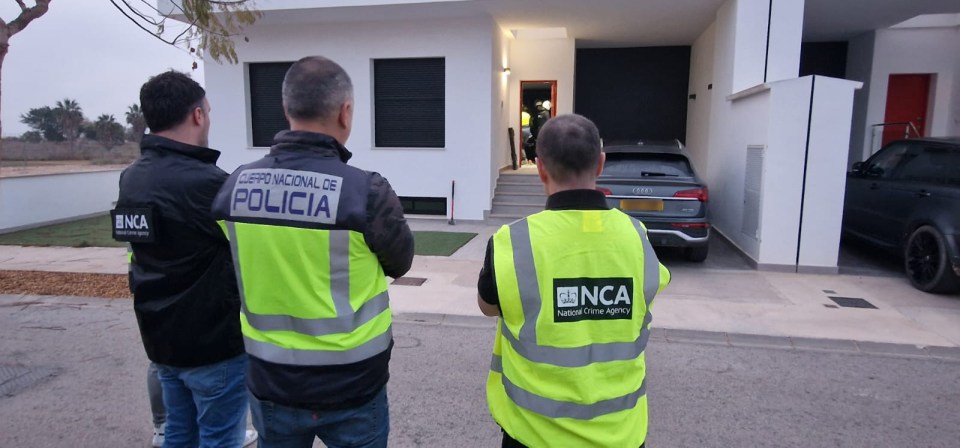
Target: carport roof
607, 23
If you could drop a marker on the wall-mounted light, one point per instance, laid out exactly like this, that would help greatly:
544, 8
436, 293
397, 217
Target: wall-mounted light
506, 71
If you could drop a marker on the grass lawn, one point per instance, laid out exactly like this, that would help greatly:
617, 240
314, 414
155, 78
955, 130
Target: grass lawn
91, 232
95, 232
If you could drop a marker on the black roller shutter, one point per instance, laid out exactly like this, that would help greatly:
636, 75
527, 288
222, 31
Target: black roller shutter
409, 103
266, 101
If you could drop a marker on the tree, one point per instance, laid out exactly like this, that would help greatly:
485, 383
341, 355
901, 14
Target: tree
211, 27
69, 118
137, 123
8, 29
44, 121
211, 24
109, 131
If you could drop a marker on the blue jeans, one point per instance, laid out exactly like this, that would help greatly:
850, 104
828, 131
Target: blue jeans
207, 405
365, 426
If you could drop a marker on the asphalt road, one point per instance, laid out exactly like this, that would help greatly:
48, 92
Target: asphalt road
700, 395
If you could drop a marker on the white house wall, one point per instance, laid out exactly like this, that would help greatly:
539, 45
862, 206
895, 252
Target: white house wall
500, 108
698, 109
916, 50
541, 60
466, 44
860, 68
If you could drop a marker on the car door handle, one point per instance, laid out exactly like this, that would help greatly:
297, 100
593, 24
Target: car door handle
923, 194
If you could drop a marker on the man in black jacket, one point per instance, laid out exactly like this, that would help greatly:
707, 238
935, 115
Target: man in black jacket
313, 240
181, 274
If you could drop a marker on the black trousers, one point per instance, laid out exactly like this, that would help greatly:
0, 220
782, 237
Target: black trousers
510, 442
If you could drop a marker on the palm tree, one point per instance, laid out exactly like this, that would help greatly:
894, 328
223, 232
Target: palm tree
70, 119
138, 124
109, 131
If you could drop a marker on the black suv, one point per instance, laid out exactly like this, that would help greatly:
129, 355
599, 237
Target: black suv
655, 183
906, 198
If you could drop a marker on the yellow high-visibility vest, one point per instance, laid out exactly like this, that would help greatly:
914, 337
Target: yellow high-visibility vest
575, 289
324, 306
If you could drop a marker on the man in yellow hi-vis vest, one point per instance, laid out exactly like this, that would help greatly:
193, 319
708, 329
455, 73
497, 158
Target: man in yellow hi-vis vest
573, 286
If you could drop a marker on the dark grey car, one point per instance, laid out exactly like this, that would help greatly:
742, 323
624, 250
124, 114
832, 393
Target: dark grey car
656, 183
906, 199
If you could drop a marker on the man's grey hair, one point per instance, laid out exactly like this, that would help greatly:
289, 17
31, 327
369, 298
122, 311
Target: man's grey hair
314, 88
569, 146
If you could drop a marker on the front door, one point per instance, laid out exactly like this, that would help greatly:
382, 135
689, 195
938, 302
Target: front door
907, 102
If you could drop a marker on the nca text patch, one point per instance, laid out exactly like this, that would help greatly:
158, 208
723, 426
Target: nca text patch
577, 299
133, 225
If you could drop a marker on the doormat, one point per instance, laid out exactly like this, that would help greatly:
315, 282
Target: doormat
409, 281
852, 302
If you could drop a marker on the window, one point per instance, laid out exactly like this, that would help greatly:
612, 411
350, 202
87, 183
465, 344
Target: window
424, 206
266, 101
933, 164
883, 164
409, 103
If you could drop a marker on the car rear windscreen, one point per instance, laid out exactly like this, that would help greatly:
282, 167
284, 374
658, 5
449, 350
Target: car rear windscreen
646, 165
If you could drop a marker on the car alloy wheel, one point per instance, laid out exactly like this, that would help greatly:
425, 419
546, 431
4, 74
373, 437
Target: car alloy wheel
926, 262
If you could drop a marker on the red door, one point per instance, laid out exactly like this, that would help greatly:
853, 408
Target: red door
907, 97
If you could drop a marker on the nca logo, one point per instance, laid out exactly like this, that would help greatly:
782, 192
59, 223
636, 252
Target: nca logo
571, 296
582, 298
137, 222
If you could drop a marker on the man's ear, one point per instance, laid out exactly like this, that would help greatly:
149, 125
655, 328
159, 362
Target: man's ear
542, 170
345, 118
198, 116
603, 158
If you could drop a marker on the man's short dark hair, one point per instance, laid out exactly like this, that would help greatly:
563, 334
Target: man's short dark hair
168, 98
315, 88
569, 146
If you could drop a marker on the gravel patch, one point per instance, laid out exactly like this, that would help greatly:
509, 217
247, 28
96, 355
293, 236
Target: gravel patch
113, 286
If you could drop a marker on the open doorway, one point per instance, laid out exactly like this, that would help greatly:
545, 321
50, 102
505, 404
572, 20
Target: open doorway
538, 103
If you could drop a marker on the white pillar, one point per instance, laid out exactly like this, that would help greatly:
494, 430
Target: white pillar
767, 41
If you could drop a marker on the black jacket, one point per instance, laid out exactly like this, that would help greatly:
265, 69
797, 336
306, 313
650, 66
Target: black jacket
367, 205
184, 288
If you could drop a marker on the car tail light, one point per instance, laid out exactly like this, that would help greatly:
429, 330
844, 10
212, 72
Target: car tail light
605, 191
700, 194
691, 225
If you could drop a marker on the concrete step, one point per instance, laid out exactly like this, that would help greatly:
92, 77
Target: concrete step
511, 187
514, 210
528, 179
520, 198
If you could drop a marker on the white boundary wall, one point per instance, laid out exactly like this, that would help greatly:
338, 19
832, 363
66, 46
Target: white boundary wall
31, 201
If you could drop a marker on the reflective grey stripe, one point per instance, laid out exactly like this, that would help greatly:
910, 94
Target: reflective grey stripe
235, 253
324, 326
565, 409
340, 271
584, 355
527, 280
651, 266
272, 353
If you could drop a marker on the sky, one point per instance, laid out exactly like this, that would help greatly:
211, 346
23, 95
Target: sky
84, 50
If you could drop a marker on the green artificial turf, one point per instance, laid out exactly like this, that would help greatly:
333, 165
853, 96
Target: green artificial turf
440, 243
95, 232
